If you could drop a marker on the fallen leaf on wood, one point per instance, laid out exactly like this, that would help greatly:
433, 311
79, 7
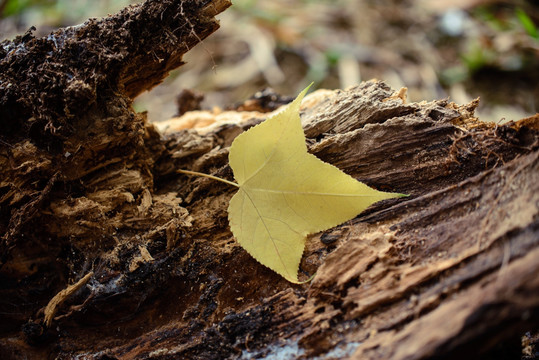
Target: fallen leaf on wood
285, 193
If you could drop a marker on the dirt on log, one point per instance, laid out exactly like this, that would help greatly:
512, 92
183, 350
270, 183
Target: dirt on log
108, 253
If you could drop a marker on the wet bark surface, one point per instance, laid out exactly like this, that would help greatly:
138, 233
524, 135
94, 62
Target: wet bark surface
108, 253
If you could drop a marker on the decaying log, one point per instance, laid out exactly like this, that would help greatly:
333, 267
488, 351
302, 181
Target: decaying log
92, 193
65, 101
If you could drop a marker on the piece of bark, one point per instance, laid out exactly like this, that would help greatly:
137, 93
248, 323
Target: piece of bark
65, 101
449, 271
188, 100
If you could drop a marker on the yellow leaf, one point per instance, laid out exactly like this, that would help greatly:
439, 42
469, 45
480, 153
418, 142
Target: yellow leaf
285, 193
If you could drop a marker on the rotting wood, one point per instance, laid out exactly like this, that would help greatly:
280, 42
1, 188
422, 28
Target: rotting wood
65, 101
448, 272
61, 297
468, 228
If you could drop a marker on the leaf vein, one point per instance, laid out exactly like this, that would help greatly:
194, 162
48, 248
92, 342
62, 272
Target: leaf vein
269, 233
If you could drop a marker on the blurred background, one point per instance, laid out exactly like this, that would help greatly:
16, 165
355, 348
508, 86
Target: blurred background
461, 49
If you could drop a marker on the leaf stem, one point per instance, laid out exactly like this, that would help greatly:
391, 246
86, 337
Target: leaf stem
207, 176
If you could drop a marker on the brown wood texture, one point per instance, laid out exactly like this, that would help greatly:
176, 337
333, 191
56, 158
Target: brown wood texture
108, 253
65, 100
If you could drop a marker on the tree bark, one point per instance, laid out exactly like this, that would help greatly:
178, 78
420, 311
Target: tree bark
65, 101
108, 253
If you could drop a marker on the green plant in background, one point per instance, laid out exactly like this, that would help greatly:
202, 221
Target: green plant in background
61, 12
479, 52
478, 56
251, 11
15, 7
487, 16
527, 23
